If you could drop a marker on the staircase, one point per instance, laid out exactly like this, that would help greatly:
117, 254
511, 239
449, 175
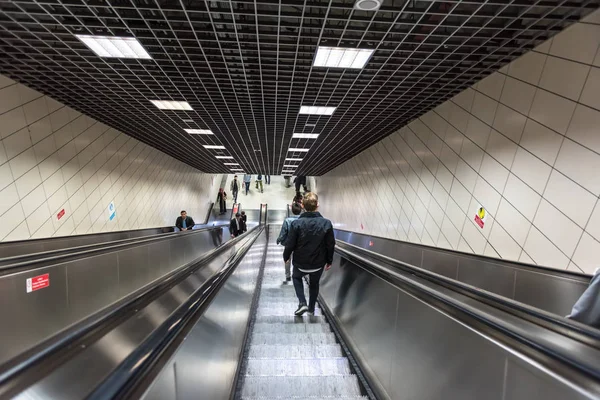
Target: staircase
292, 357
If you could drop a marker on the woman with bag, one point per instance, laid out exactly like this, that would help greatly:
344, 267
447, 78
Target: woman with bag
222, 198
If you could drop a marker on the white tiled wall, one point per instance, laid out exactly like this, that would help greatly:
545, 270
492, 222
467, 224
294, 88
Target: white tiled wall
523, 142
54, 158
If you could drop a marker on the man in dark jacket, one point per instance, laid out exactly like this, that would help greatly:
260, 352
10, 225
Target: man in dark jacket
283, 234
237, 226
184, 223
311, 240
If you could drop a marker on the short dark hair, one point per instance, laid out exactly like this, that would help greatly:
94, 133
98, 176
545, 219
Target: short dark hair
182, 211
296, 209
310, 202
235, 176
243, 212
237, 214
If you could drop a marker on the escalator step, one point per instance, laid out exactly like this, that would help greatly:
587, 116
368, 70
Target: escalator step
287, 310
306, 386
292, 339
305, 367
291, 328
308, 398
270, 351
288, 318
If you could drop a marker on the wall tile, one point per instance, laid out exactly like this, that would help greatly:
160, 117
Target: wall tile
449, 159
509, 122
593, 227
8, 198
484, 108
541, 141
531, 170
17, 143
38, 219
35, 110
494, 172
450, 233
3, 156
553, 77
53, 183
486, 195
5, 81
459, 119
563, 232
492, 85
591, 91
478, 131
570, 198
579, 43
12, 121
22, 163
472, 154
40, 130
503, 244
28, 182
515, 224
9, 98
552, 110
584, 127
501, 148
517, 95
460, 195
33, 200
528, 67
11, 220
586, 255
474, 238
543, 252
44, 149
570, 160
522, 197
454, 138
466, 175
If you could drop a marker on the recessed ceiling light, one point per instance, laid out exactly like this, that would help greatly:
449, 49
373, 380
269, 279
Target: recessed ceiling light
171, 105
293, 159
224, 157
290, 166
188, 121
293, 149
213, 146
316, 110
341, 57
114, 46
310, 125
199, 131
236, 170
231, 163
305, 135
367, 5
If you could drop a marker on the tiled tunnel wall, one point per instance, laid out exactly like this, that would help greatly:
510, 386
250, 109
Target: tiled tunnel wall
524, 143
53, 158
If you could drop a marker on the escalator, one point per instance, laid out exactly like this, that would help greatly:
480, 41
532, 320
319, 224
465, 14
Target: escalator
225, 329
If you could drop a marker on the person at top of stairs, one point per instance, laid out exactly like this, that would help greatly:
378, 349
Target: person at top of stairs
312, 242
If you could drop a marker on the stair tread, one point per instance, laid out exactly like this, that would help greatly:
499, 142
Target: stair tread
307, 386
298, 367
275, 351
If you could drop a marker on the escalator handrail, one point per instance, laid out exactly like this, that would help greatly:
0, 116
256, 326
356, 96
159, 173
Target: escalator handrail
509, 264
129, 374
522, 336
36, 355
83, 251
564, 326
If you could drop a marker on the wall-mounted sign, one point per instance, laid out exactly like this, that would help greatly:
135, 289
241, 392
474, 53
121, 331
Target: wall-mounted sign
37, 282
480, 216
112, 212
60, 214
235, 208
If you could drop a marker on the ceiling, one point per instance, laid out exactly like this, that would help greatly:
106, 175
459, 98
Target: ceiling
245, 67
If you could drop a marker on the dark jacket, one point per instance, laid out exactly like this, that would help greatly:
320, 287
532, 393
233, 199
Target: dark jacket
233, 229
189, 222
285, 228
245, 219
311, 239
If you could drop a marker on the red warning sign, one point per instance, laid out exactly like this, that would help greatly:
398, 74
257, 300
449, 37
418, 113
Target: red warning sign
235, 208
60, 214
370, 243
38, 282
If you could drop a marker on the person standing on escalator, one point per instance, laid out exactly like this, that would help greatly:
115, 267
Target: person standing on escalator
311, 241
283, 234
222, 199
184, 223
234, 188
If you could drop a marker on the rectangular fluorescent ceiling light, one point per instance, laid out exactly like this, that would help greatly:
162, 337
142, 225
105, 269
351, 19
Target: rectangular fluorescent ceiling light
171, 105
231, 163
341, 57
188, 121
224, 157
315, 110
293, 149
114, 46
293, 159
290, 166
213, 146
199, 131
305, 135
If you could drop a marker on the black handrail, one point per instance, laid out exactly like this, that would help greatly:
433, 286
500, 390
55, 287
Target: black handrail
521, 335
35, 356
563, 326
209, 213
43, 260
128, 375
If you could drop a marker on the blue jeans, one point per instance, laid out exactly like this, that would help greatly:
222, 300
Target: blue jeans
247, 186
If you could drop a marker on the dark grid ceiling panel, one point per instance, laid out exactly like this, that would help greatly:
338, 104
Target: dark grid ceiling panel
246, 67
